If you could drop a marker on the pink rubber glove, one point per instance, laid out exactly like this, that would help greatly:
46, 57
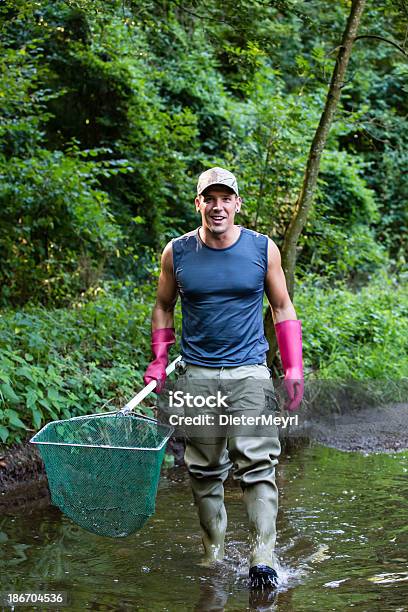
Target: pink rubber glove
162, 340
289, 337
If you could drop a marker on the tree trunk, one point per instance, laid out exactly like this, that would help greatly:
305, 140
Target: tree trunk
307, 191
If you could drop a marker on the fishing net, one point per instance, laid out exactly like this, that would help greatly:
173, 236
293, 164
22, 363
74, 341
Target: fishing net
103, 470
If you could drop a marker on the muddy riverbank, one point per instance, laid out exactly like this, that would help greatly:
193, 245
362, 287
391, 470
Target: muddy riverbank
377, 429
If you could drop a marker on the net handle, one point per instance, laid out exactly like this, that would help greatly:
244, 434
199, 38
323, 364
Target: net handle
139, 397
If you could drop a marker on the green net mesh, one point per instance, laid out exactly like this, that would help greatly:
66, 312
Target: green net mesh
103, 470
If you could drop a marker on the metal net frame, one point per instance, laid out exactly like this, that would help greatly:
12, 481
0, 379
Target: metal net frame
103, 470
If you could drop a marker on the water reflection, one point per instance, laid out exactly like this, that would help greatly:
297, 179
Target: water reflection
342, 539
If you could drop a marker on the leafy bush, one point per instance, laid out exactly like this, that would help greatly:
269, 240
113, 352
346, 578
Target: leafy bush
60, 363
359, 335
56, 225
339, 239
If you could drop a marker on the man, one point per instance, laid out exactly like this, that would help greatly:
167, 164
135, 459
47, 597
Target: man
221, 271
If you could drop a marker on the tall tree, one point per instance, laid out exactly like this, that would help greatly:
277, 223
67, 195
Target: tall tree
305, 199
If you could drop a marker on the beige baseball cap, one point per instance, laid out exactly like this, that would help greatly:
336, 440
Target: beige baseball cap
217, 176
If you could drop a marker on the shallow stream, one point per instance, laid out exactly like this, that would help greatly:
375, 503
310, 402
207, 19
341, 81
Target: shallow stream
342, 544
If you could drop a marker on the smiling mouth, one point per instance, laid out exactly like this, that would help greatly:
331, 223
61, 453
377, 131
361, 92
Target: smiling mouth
216, 218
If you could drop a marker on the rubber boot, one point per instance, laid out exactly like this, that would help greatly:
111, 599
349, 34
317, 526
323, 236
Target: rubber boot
213, 530
261, 501
209, 498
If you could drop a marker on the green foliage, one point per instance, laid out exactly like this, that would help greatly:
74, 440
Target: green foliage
60, 363
343, 190
339, 239
354, 335
171, 90
56, 226
274, 130
22, 112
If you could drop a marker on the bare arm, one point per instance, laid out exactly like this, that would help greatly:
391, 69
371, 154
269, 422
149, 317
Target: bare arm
275, 287
166, 298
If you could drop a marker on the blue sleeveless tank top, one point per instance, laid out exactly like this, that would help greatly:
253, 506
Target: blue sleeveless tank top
221, 294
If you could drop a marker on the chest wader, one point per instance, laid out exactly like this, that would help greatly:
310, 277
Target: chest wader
252, 457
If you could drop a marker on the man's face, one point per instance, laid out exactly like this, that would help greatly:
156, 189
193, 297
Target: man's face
218, 206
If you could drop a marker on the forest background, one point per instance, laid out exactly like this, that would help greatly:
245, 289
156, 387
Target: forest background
110, 110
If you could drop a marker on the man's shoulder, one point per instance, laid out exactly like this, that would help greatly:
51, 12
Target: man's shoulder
254, 234
186, 242
187, 236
